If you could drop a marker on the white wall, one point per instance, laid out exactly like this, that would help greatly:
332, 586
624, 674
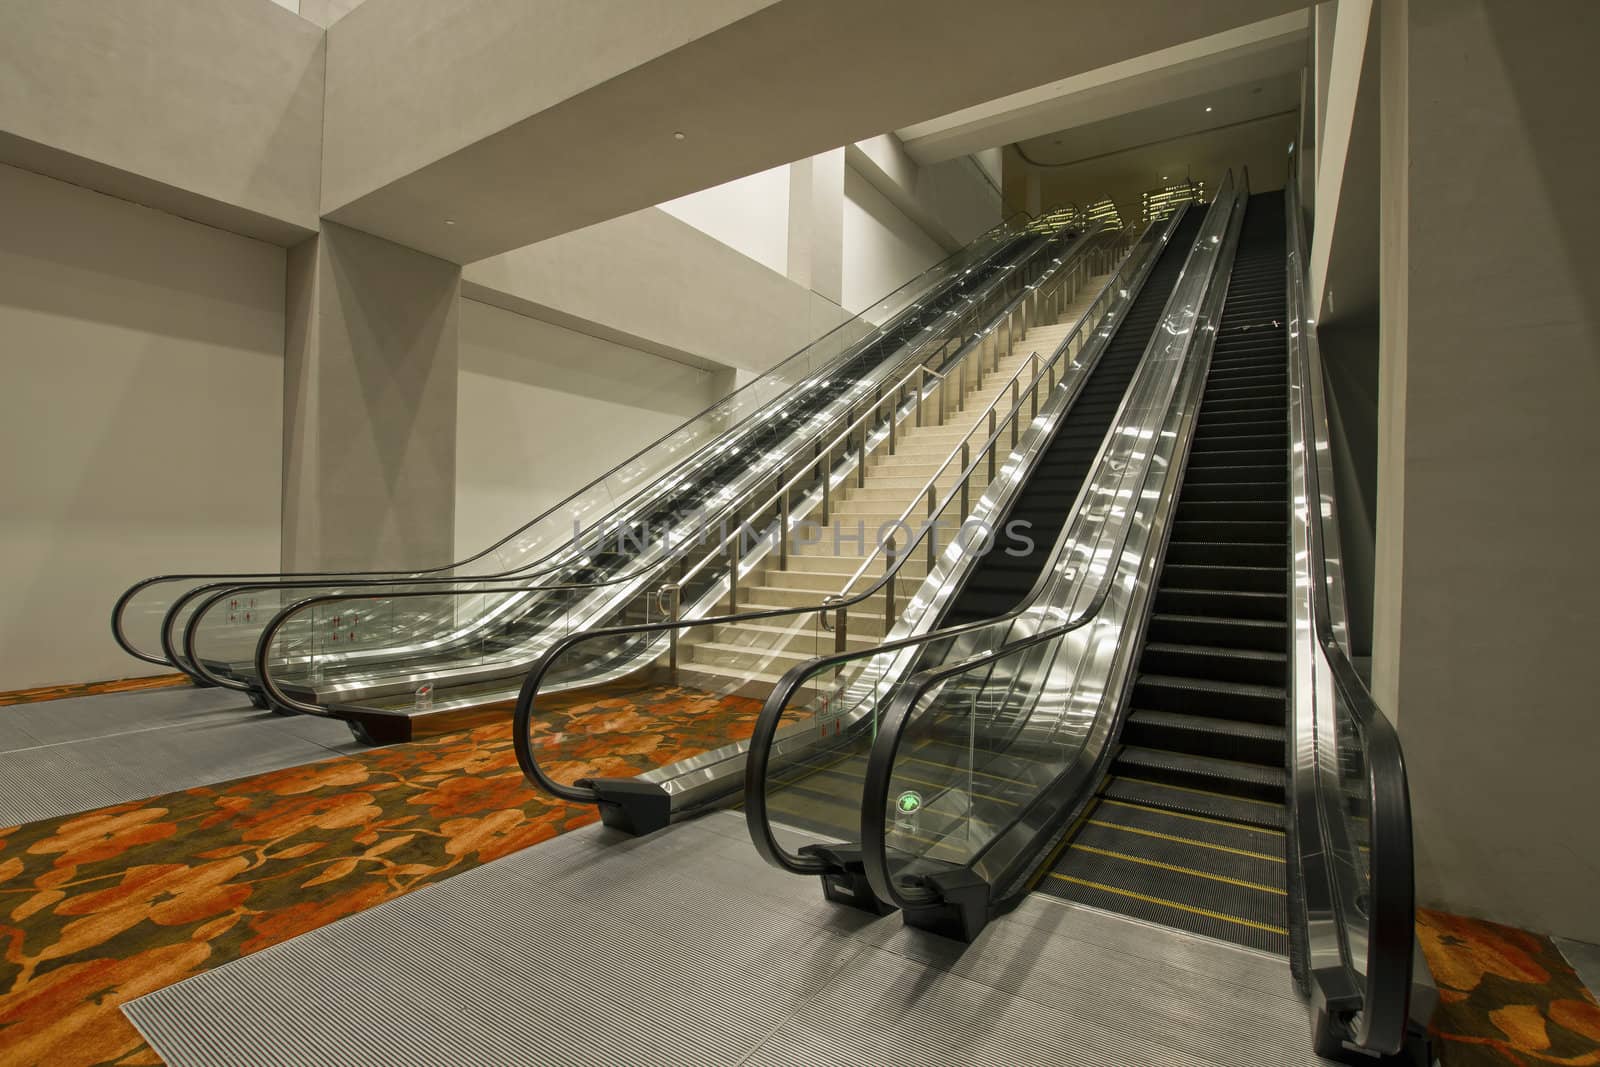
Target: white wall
882, 247
750, 215
140, 417
543, 410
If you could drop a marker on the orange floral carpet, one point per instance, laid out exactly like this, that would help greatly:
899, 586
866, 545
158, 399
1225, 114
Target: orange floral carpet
104, 906
1505, 996
87, 689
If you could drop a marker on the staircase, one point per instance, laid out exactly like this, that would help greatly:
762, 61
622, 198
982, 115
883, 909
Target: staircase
751, 657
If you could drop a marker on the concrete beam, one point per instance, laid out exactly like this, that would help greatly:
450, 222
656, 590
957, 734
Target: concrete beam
1235, 56
953, 201
438, 139
653, 282
133, 99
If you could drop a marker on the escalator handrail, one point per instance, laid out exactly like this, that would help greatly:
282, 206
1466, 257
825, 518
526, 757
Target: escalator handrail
118, 632
1380, 1026
286, 615
772, 710
891, 728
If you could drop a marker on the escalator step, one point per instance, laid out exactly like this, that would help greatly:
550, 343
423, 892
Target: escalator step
1198, 802
1191, 852
1232, 909
1241, 701
1277, 491
1232, 778
1270, 635
1187, 826
1248, 665
1197, 735
1226, 578
1221, 604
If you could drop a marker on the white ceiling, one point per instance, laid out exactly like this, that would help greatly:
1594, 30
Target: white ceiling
1245, 72
1212, 111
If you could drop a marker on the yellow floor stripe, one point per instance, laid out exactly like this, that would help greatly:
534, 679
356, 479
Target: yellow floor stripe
1181, 870
1196, 818
1184, 840
1171, 904
1201, 792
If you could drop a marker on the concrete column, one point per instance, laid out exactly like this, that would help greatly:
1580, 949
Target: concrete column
1486, 583
369, 405
816, 224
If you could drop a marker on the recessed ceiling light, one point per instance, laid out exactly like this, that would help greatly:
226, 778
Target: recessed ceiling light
679, 136
449, 222
1208, 108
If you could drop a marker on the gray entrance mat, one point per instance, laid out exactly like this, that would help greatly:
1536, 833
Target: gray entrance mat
685, 948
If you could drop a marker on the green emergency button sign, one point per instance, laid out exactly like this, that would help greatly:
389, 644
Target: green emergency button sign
909, 802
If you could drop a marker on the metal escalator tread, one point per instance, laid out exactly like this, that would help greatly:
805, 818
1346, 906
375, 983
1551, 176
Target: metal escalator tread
1203, 757
1196, 878
1191, 801
999, 581
1233, 777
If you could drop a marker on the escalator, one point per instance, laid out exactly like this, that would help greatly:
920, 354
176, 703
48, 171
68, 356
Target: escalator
1001, 580
467, 644
149, 619
806, 801
1188, 827
1183, 738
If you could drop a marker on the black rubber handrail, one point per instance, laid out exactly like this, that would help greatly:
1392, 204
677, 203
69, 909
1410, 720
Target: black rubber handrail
1380, 1025
120, 636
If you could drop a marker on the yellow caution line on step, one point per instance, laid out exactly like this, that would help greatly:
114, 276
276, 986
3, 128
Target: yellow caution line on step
1201, 792
1171, 904
1185, 840
1195, 818
1182, 870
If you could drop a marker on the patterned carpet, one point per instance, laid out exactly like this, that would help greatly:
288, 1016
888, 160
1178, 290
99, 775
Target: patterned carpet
101, 907
98, 908
1505, 996
84, 689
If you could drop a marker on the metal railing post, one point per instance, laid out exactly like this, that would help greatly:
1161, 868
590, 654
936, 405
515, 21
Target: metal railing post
966, 479
861, 456
922, 382
888, 588
1016, 403
783, 529
992, 449
841, 628
670, 610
